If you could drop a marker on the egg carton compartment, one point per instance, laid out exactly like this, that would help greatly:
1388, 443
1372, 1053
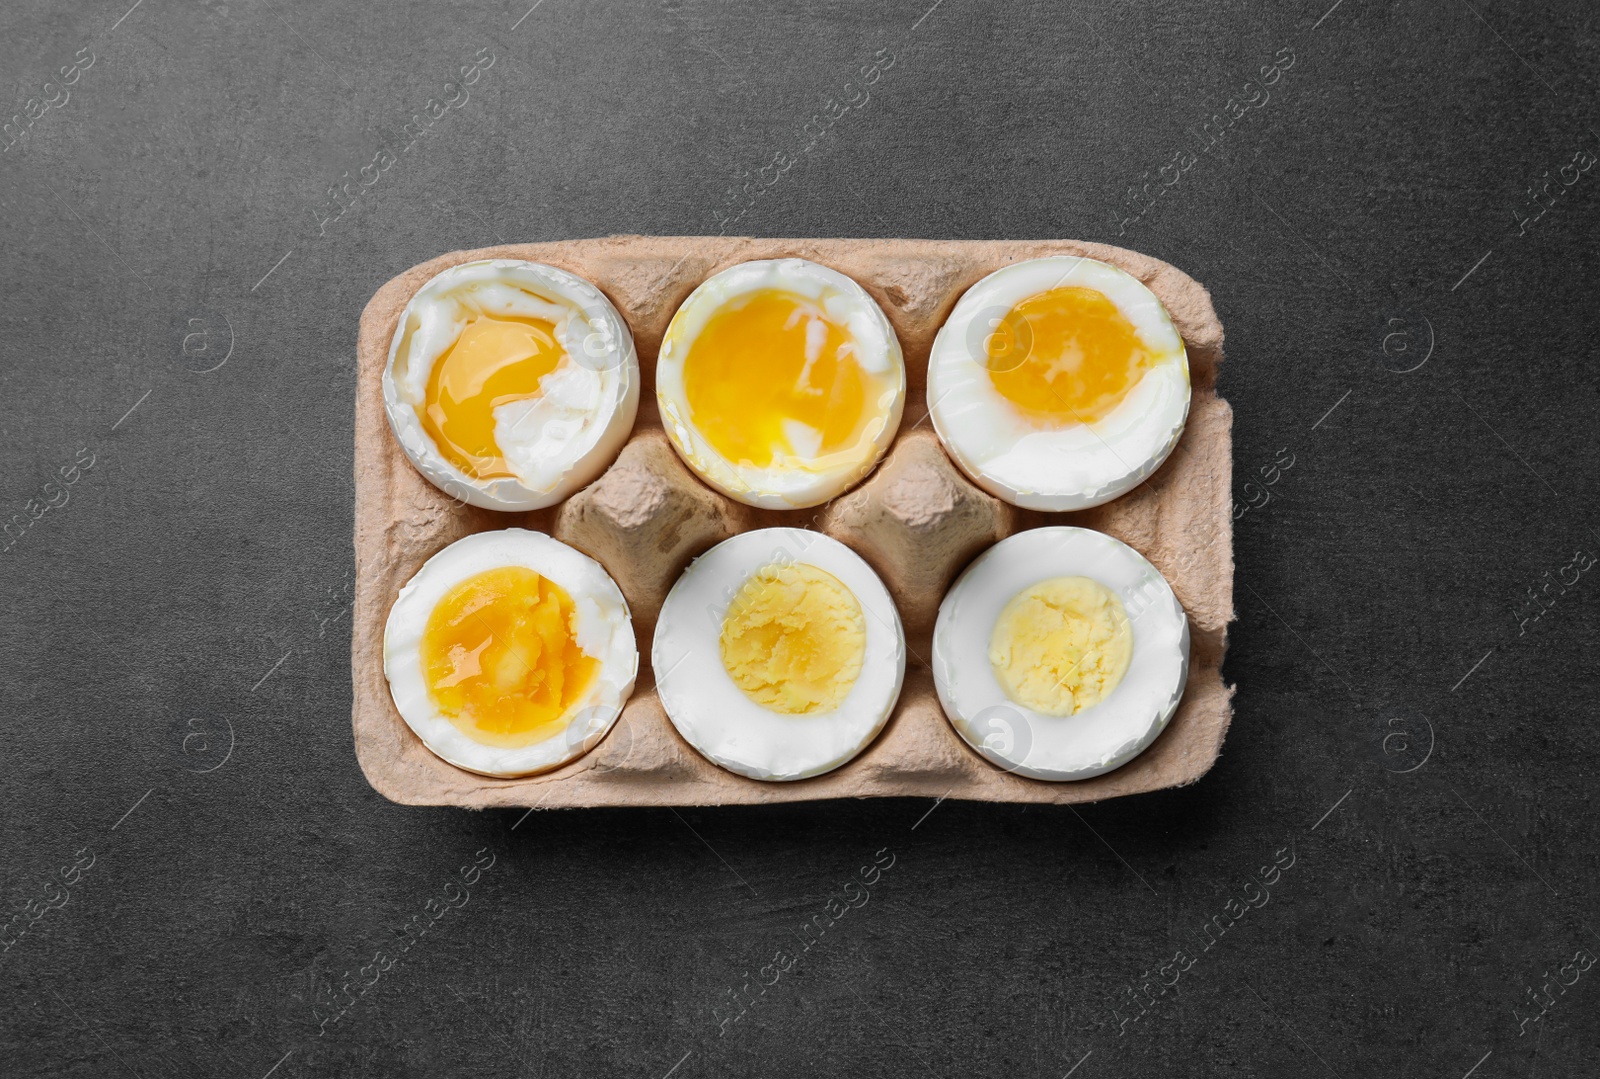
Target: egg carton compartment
916, 519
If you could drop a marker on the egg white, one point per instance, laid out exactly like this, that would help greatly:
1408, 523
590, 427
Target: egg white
710, 710
802, 480
1103, 736
560, 440
604, 631
1073, 467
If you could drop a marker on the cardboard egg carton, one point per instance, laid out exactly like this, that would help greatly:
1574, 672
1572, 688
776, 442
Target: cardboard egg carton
916, 519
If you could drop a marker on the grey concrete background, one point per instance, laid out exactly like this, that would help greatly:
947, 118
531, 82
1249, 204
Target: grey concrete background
1397, 227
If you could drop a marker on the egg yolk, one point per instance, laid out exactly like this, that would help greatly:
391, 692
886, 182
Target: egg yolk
794, 639
495, 361
501, 657
1061, 645
770, 376
1066, 356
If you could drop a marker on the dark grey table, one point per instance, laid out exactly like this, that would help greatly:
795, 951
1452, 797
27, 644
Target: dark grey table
1390, 871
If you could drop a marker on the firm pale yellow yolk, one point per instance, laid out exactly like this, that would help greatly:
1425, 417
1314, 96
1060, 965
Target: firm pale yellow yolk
501, 657
794, 639
495, 361
1066, 356
1061, 645
768, 361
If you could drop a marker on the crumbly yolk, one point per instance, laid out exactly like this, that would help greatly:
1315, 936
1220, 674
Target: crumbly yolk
794, 639
1061, 645
1066, 356
495, 361
501, 657
771, 376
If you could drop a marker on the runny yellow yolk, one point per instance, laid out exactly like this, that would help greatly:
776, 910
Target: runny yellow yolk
769, 358
1061, 645
1066, 356
494, 362
501, 657
794, 639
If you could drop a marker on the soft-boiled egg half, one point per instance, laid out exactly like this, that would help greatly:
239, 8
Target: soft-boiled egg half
780, 382
779, 654
511, 384
1060, 653
1058, 383
510, 653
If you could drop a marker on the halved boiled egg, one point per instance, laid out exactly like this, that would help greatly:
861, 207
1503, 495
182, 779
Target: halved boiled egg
780, 382
1060, 653
1058, 383
511, 384
779, 654
510, 653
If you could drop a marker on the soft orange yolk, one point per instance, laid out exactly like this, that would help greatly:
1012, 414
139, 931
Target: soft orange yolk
765, 363
495, 361
1066, 356
501, 657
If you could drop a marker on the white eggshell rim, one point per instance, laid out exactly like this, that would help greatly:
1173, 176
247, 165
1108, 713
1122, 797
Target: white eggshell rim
845, 301
604, 630
1129, 446
690, 676
1060, 748
608, 345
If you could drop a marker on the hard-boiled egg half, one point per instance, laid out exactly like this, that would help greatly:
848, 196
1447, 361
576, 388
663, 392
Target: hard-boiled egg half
511, 384
780, 382
1060, 653
1058, 383
510, 653
779, 654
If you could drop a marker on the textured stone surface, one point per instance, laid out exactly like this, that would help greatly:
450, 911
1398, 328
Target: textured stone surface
175, 638
916, 519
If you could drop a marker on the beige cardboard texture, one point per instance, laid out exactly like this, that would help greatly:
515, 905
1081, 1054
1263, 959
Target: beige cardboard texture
916, 519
